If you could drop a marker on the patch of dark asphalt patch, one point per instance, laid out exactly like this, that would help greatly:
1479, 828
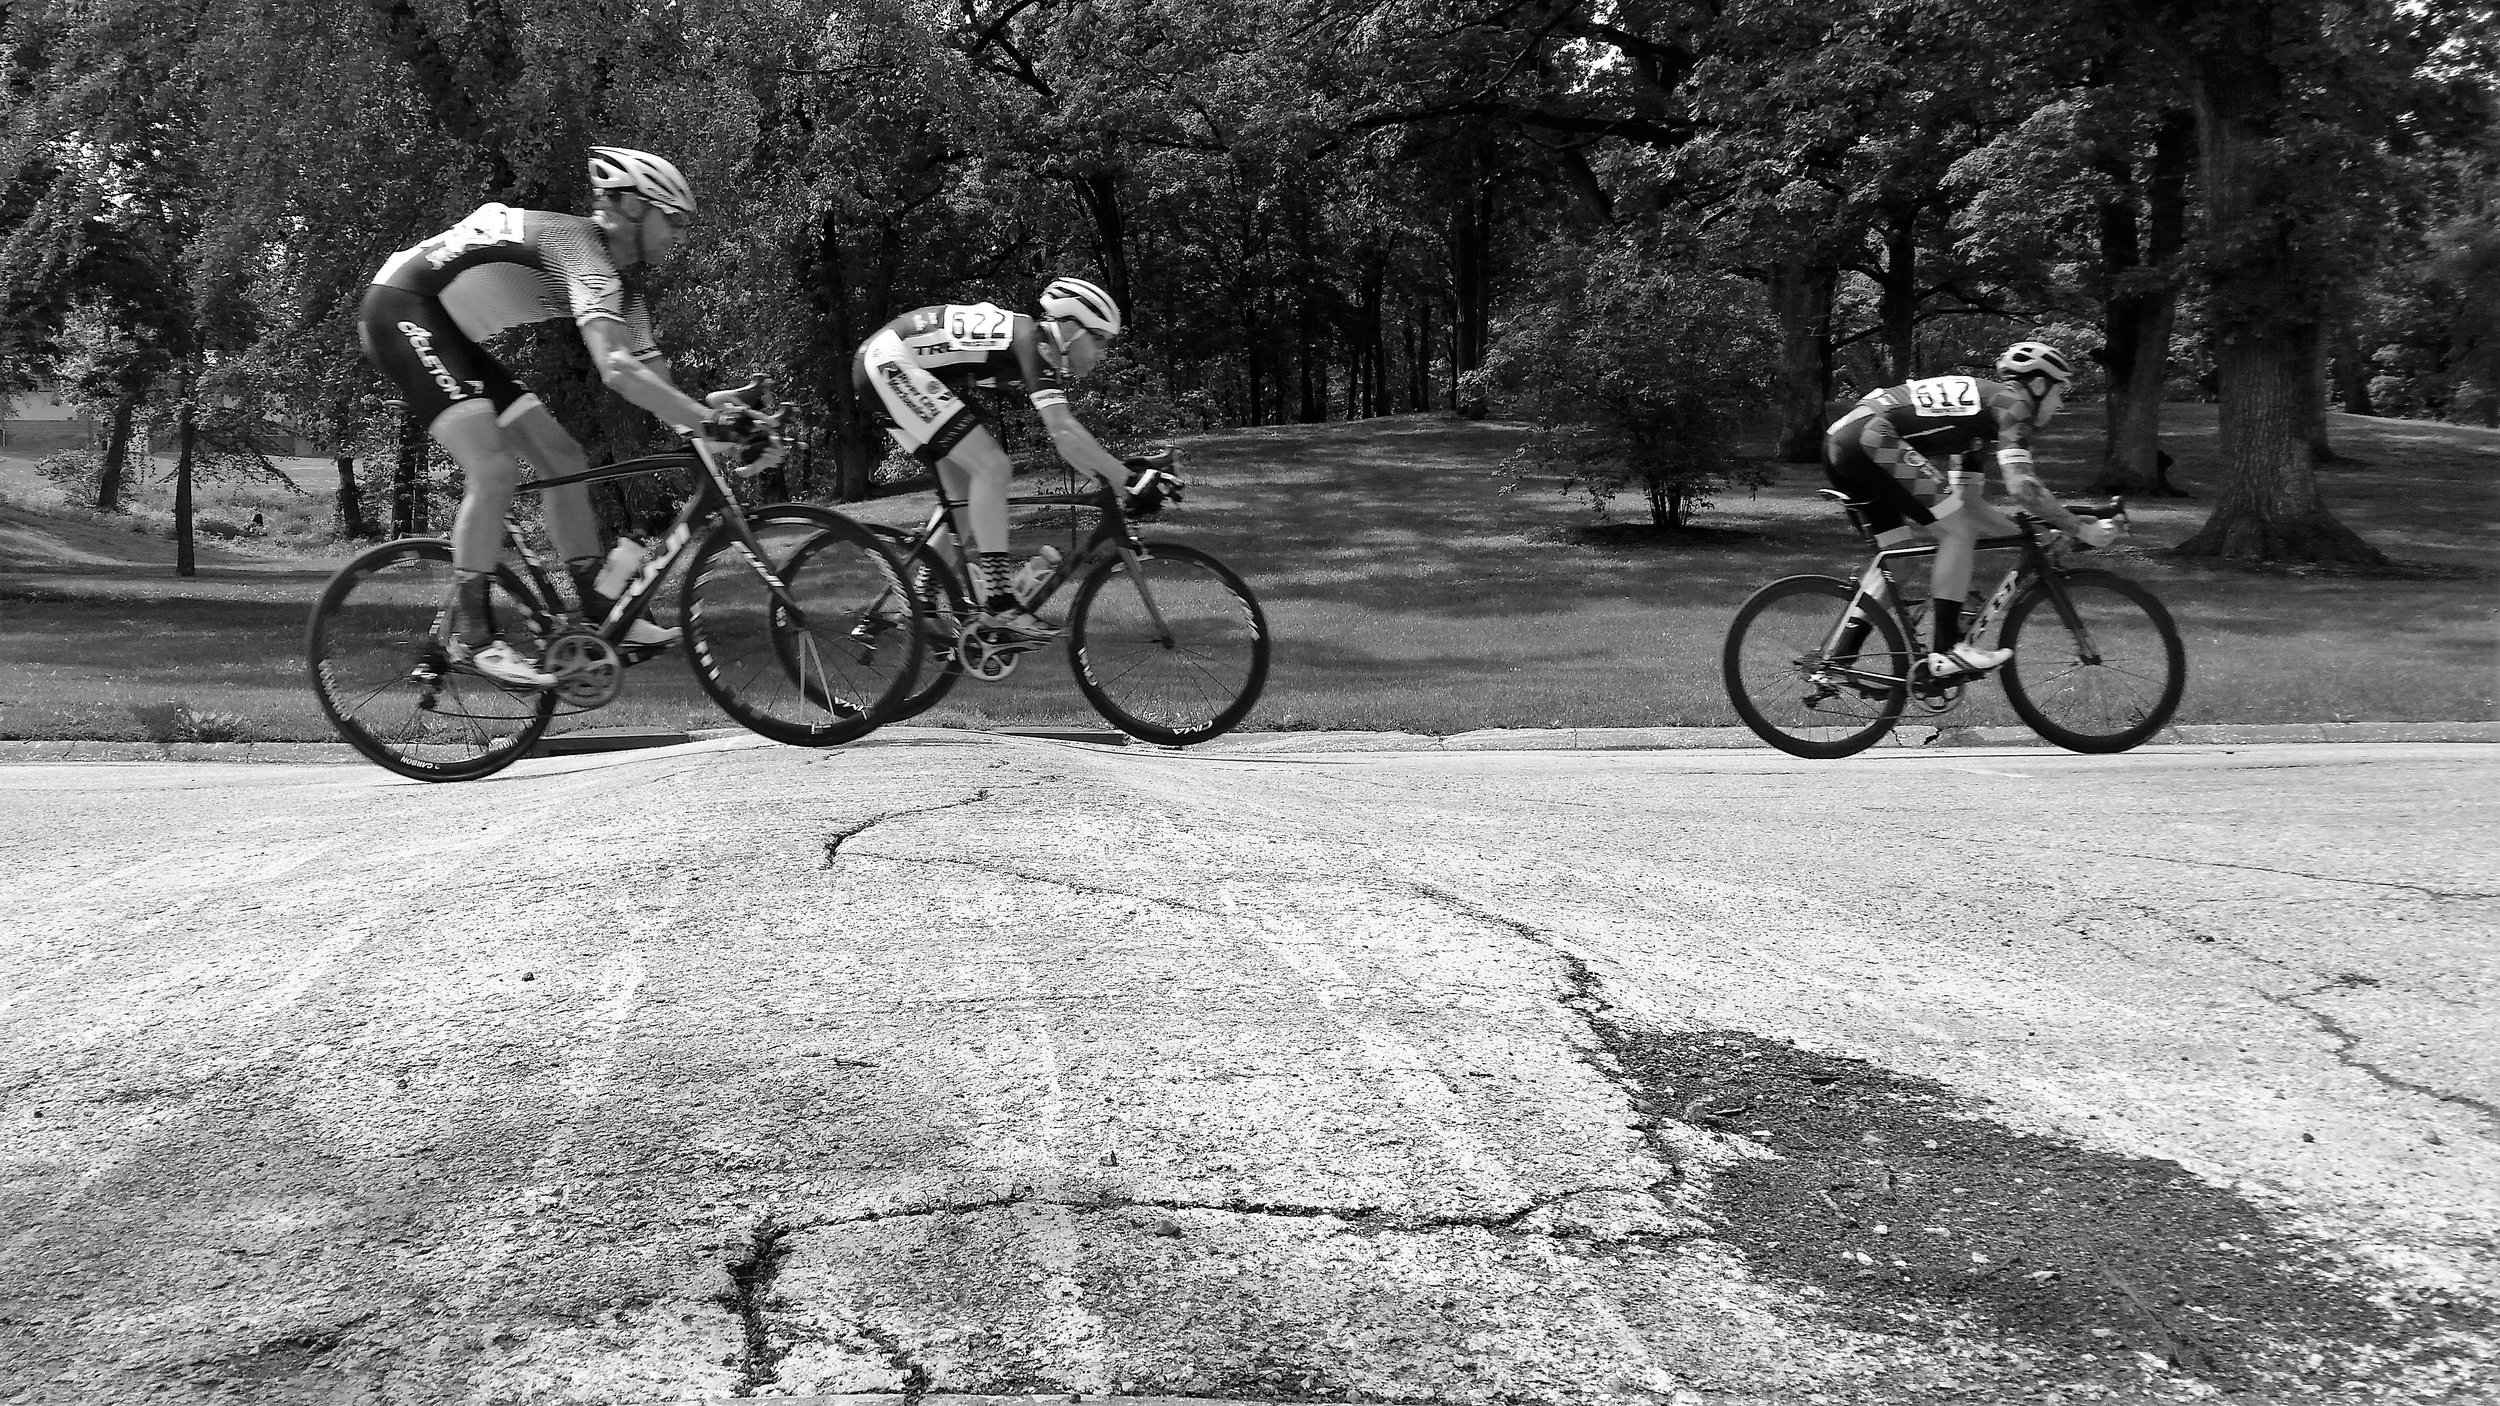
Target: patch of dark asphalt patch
1915, 1216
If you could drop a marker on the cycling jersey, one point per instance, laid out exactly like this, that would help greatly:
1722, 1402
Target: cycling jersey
919, 364
1942, 418
501, 268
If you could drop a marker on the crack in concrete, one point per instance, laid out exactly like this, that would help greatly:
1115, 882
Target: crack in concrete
1372, 1218
2423, 889
751, 1281
1072, 885
2347, 1042
915, 1372
834, 845
1585, 996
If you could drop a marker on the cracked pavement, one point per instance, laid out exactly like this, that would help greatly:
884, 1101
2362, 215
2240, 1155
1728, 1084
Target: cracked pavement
950, 1063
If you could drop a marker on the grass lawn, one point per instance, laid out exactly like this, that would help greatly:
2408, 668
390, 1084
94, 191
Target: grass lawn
1405, 591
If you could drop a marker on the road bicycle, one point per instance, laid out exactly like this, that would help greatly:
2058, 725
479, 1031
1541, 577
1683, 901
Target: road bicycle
2098, 665
1167, 643
793, 623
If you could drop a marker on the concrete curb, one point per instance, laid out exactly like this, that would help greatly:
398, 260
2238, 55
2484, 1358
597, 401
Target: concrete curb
1586, 739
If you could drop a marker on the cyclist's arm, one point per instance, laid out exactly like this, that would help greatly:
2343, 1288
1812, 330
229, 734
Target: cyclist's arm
645, 383
1076, 444
2022, 480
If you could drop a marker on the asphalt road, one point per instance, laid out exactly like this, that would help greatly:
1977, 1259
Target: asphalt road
956, 1064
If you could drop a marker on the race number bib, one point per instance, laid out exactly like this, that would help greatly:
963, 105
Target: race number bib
1945, 396
979, 326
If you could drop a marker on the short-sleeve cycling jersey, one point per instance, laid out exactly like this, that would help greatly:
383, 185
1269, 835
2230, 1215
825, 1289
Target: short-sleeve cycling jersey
1868, 452
919, 365
502, 268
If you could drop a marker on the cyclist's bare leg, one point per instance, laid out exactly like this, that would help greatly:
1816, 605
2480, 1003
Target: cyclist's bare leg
490, 470
1958, 530
556, 454
976, 473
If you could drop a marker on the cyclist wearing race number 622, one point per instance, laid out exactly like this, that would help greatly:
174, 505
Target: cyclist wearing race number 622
1917, 453
433, 304
916, 369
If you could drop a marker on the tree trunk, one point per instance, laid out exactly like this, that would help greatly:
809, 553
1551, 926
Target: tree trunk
2141, 308
185, 539
1471, 238
2265, 307
2314, 413
108, 483
352, 524
1801, 296
1898, 294
2352, 371
1099, 193
408, 480
857, 442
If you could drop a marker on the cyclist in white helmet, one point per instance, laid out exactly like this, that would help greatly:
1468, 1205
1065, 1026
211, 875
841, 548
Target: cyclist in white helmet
1917, 455
918, 367
433, 305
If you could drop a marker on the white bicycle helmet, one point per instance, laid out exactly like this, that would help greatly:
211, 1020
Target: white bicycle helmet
2026, 359
1091, 307
655, 180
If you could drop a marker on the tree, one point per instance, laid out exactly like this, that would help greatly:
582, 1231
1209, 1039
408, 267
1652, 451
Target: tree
2297, 103
1633, 372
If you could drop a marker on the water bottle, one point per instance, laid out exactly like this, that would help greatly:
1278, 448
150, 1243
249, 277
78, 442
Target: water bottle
624, 559
1030, 576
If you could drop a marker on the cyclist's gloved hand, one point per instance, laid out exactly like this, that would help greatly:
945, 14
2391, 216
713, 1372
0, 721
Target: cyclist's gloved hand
2097, 532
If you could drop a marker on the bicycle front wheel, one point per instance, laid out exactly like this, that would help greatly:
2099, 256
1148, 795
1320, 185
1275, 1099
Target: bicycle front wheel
808, 644
2104, 684
376, 651
1794, 688
1168, 644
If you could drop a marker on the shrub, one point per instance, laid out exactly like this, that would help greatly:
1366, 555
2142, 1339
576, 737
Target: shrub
1633, 375
177, 721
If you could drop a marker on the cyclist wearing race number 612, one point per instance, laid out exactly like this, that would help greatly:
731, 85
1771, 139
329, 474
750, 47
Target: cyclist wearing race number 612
431, 306
916, 369
1917, 453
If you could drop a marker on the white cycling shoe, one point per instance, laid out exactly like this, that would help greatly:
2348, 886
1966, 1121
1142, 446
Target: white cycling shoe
1965, 658
501, 663
642, 634
1016, 626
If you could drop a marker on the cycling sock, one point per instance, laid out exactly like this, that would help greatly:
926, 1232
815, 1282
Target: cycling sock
995, 570
1948, 624
476, 627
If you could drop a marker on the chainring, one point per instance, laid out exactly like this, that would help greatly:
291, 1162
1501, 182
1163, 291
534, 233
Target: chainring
589, 672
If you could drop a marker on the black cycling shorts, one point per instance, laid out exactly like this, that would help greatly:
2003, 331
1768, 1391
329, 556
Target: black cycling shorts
424, 353
1889, 501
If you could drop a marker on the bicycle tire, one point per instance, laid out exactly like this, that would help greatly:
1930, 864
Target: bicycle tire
1195, 677
375, 654
1776, 674
816, 681
2118, 699
943, 607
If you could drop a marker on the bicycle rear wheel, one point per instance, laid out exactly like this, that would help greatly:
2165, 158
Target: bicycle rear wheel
944, 607
375, 651
1795, 697
1170, 645
2106, 687
824, 673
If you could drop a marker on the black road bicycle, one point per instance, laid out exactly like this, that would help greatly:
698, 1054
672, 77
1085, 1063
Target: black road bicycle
2097, 666
1168, 643
793, 623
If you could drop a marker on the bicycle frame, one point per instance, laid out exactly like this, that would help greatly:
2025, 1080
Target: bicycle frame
2037, 564
1115, 531
711, 498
